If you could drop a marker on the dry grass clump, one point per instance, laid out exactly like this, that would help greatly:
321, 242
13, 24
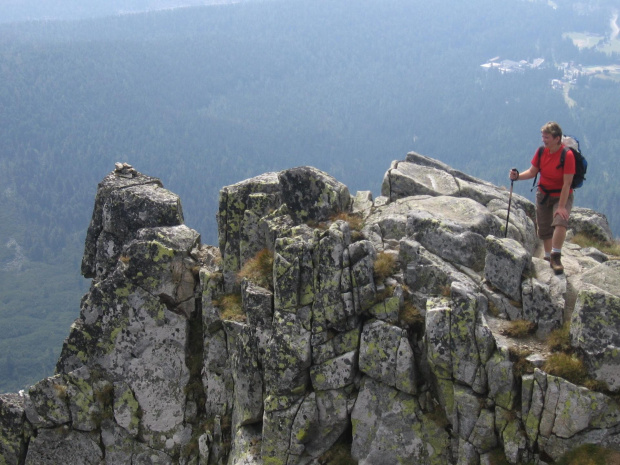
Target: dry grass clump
565, 363
609, 248
520, 364
409, 315
497, 457
590, 454
356, 223
559, 339
338, 454
519, 329
259, 269
445, 290
385, 266
494, 309
231, 308
386, 293
569, 367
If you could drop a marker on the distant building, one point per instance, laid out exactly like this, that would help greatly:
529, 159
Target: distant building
510, 66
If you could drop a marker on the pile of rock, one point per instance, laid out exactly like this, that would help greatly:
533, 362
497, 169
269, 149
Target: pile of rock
161, 367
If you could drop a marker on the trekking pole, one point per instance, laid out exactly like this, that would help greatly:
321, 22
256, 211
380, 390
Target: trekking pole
509, 200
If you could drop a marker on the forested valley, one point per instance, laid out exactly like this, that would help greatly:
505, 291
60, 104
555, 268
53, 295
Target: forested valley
208, 96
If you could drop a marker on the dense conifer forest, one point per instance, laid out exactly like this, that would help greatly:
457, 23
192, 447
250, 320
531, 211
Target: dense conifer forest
208, 96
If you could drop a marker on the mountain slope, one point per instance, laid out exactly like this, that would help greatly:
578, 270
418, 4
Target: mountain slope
210, 96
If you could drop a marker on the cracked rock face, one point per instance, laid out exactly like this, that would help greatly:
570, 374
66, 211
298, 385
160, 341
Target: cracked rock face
376, 337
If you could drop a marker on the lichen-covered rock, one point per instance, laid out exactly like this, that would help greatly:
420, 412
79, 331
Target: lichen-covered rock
176, 359
521, 227
591, 223
453, 228
560, 416
465, 357
64, 445
438, 340
386, 355
390, 427
246, 373
468, 406
420, 175
132, 333
505, 262
288, 357
311, 194
14, 432
605, 276
335, 373
541, 307
246, 447
426, 273
406, 179
483, 436
502, 382
233, 204
594, 330
122, 207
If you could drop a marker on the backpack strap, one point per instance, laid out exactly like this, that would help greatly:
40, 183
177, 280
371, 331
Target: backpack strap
541, 149
563, 157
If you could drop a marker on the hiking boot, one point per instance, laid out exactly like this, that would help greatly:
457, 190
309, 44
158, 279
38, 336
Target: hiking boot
556, 263
547, 259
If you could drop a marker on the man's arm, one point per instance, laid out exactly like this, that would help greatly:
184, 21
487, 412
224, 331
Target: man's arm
567, 181
527, 174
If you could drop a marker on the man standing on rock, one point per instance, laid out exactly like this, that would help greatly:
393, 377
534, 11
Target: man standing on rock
554, 196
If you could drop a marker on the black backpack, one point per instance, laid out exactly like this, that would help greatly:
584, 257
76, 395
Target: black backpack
581, 164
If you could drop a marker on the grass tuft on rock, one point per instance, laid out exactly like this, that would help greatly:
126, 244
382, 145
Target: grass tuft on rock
519, 329
520, 365
569, 367
338, 454
259, 269
409, 315
559, 339
385, 266
356, 223
231, 308
590, 454
609, 248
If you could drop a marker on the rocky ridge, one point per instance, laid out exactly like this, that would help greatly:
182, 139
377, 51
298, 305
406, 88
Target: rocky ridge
383, 337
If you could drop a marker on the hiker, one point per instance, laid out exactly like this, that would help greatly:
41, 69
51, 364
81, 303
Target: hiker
554, 196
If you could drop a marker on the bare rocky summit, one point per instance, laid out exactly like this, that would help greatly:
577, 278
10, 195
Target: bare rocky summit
376, 323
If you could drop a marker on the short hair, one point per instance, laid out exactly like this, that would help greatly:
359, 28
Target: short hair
552, 128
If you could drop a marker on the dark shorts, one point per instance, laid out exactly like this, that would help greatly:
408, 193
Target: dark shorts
545, 214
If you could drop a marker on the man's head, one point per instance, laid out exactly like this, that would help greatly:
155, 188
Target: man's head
553, 129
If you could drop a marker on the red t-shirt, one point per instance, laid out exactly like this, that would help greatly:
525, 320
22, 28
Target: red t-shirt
552, 177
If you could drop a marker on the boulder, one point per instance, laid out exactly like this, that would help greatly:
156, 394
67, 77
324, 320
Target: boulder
591, 223
452, 228
506, 261
560, 416
594, 330
386, 355
246, 373
605, 276
427, 274
406, 179
122, 207
234, 201
65, 445
541, 307
13, 425
389, 427
312, 194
